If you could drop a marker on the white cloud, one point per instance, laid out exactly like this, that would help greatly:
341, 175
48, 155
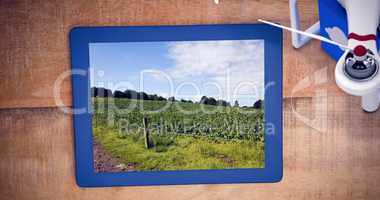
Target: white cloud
232, 65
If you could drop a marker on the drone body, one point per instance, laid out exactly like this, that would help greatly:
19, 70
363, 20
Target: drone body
348, 31
357, 69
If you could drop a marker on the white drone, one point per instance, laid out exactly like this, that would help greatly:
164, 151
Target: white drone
357, 71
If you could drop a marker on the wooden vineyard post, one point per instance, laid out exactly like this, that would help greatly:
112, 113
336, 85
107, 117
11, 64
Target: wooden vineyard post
146, 132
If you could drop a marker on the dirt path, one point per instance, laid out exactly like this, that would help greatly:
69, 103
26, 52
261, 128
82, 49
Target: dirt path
103, 162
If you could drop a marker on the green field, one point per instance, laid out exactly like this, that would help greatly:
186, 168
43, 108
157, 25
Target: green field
182, 135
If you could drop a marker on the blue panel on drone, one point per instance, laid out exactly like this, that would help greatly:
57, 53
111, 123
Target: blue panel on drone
332, 14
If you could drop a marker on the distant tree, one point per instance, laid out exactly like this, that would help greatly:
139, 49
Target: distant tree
160, 98
101, 92
93, 91
204, 100
107, 93
222, 103
143, 96
236, 104
212, 101
119, 94
171, 99
153, 97
258, 104
131, 94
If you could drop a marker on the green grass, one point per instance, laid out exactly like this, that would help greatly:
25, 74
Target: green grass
220, 138
206, 120
181, 152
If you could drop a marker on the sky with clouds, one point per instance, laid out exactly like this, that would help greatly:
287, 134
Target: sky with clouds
229, 70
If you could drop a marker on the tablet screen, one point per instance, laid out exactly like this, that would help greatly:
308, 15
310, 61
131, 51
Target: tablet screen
177, 105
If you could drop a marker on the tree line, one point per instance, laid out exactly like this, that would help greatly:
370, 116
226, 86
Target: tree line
132, 94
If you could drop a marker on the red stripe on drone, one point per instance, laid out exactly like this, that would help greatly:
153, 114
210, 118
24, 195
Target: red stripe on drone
361, 37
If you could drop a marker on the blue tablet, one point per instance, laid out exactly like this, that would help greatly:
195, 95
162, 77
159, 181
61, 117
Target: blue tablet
164, 105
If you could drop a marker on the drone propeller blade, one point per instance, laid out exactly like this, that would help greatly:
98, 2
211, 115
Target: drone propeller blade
317, 37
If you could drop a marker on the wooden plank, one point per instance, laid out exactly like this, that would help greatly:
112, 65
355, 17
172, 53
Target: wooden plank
35, 51
331, 151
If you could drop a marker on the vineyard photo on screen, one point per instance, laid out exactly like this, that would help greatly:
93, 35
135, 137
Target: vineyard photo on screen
178, 105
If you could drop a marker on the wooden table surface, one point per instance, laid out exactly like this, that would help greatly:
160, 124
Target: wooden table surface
331, 147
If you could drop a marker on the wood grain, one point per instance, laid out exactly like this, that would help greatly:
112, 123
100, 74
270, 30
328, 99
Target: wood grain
34, 38
331, 147
334, 155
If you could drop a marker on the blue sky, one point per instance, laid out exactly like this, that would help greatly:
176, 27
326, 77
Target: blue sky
229, 70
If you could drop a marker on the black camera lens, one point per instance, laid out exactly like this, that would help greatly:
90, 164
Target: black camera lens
360, 70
